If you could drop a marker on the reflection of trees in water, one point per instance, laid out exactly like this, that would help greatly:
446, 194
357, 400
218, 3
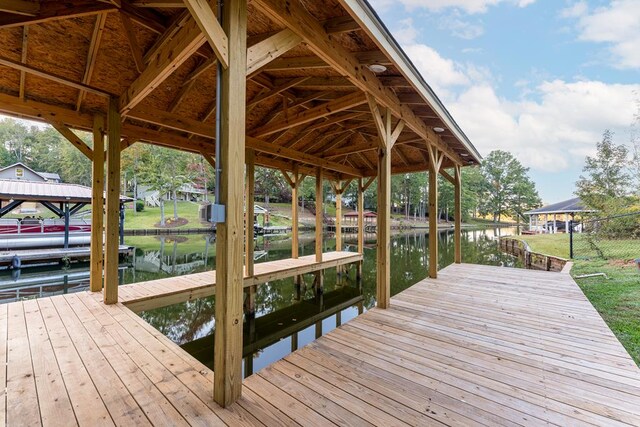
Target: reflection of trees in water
183, 322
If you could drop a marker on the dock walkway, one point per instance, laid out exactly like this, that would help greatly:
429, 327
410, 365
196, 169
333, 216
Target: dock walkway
172, 290
478, 346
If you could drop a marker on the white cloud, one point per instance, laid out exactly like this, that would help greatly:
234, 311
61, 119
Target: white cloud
549, 127
462, 28
576, 10
553, 132
616, 25
468, 6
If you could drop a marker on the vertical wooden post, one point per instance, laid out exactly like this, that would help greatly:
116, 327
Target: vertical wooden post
319, 214
227, 381
97, 205
294, 213
339, 189
360, 216
457, 232
250, 171
319, 283
433, 219
112, 223
383, 293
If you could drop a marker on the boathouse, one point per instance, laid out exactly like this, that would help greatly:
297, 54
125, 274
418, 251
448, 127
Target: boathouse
312, 88
556, 216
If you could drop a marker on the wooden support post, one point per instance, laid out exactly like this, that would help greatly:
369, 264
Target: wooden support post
319, 214
112, 223
319, 284
250, 171
227, 381
433, 220
67, 218
295, 243
97, 205
383, 293
457, 233
339, 191
360, 227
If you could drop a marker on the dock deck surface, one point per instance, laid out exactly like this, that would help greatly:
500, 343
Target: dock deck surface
478, 346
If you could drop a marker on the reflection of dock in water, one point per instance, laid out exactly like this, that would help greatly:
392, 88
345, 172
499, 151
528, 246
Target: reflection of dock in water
266, 330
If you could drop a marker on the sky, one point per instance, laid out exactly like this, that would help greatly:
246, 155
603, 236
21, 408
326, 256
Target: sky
541, 79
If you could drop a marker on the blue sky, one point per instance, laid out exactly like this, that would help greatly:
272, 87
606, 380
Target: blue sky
539, 78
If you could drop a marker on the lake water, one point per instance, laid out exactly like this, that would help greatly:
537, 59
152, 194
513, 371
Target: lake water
285, 318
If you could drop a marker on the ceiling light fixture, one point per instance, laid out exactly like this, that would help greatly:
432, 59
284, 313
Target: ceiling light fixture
377, 68
464, 154
438, 129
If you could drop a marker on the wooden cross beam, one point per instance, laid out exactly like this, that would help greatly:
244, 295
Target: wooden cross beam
203, 14
269, 49
74, 139
294, 16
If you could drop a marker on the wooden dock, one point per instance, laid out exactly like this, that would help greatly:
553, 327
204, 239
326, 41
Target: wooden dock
173, 290
478, 346
47, 256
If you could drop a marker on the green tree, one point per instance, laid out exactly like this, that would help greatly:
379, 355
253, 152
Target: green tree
509, 189
606, 182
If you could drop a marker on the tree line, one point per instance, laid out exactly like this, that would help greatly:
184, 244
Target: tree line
499, 187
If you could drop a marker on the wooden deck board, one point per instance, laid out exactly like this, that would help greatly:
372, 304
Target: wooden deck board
478, 346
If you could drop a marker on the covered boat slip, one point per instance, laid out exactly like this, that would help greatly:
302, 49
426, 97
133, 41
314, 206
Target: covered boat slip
312, 88
477, 346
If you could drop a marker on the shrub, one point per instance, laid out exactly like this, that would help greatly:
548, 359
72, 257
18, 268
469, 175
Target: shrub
139, 206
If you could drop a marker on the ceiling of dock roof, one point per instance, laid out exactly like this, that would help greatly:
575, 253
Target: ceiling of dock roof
59, 59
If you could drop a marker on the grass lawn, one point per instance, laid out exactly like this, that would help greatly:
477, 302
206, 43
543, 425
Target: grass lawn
617, 298
149, 217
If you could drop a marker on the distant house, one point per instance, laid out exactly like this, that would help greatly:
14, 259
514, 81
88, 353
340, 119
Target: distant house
185, 192
22, 172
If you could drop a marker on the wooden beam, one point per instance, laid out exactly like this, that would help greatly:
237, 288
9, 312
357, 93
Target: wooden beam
227, 386
448, 177
250, 206
53, 77
298, 156
324, 110
276, 91
350, 149
136, 51
56, 10
457, 229
168, 57
319, 214
97, 205
267, 50
20, 7
203, 14
313, 62
172, 4
112, 223
294, 16
74, 139
200, 69
92, 54
23, 59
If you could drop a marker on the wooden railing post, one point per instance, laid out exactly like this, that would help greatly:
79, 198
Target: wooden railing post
112, 226
97, 205
227, 381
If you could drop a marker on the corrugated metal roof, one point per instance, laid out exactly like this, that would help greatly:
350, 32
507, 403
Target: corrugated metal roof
12, 189
566, 206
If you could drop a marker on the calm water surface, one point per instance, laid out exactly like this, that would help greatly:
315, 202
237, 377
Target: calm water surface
285, 318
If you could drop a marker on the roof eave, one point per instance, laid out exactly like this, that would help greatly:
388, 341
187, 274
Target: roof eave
367, 17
